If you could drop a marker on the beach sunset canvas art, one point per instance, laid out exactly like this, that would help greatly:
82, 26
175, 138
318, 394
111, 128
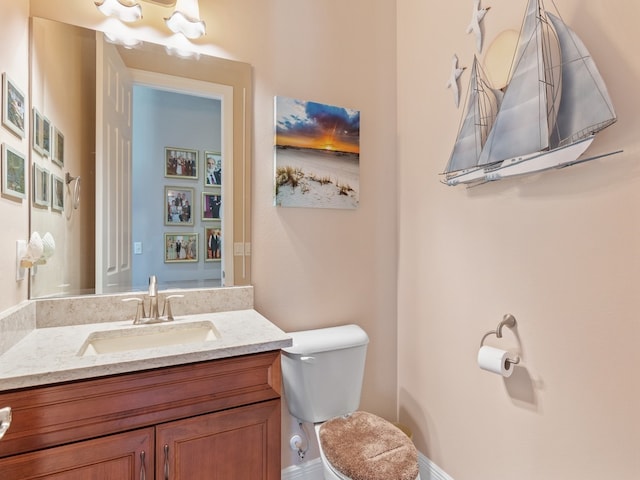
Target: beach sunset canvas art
317, 155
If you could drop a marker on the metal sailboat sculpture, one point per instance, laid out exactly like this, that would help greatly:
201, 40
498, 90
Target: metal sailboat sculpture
554, 105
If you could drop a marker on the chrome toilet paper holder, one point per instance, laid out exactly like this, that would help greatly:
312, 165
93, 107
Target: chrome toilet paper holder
507, 321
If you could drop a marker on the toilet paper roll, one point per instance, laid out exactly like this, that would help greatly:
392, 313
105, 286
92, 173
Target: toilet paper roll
495, 360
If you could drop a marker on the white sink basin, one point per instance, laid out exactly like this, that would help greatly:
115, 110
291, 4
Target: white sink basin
148, 336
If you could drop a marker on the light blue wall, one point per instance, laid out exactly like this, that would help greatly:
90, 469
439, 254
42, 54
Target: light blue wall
168, 119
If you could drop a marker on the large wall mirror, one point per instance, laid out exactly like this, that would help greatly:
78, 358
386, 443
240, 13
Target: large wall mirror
140, 163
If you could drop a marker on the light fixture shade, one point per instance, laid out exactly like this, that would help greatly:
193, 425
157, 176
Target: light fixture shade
125, 10
186, 19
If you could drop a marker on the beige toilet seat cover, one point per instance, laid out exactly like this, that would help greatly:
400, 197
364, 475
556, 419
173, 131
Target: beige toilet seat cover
364, 446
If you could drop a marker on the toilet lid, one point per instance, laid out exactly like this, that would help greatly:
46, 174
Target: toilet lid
363, 446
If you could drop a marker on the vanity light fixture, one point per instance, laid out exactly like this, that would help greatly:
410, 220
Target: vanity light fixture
181, 53
123, 40
185, 19
125, 10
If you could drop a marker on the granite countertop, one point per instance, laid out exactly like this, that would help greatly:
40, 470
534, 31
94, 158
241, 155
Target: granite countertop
50, 355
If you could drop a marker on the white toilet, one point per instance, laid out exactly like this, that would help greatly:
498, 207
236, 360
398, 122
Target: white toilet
322, 375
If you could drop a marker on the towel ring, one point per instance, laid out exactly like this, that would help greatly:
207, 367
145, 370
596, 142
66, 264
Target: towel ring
509, 321
76, 189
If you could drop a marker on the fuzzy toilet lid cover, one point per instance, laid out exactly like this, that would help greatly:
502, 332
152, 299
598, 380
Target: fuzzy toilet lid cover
364, 446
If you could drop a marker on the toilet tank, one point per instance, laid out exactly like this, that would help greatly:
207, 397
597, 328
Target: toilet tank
322, 372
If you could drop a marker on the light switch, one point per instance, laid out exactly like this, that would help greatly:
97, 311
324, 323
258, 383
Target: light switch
137, 248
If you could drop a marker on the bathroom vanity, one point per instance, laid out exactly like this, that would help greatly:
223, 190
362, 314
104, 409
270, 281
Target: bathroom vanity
209, 410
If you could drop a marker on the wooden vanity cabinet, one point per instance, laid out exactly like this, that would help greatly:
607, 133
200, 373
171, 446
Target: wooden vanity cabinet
125, 456
215, 420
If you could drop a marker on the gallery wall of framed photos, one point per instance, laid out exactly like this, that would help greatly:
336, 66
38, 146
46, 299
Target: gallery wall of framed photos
178, 182
186, 205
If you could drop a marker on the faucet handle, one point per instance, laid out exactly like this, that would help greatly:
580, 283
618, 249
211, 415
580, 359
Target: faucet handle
167, 306
139, 309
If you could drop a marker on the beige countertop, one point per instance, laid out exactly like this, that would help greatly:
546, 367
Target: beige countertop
51, 355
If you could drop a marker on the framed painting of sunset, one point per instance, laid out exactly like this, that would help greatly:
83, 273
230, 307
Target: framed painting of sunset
317, 155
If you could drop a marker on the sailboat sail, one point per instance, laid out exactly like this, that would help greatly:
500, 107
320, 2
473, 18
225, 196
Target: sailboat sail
555, 103
481, 108
585, 107
522, 124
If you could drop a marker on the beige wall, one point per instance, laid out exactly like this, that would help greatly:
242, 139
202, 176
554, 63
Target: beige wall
60, 85
314, 268
559, 250
15, 214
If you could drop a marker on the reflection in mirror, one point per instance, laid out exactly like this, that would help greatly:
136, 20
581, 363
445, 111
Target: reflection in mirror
138, 126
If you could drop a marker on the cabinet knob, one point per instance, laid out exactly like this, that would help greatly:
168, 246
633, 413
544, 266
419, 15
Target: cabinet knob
166, 462
5, 420
143, 468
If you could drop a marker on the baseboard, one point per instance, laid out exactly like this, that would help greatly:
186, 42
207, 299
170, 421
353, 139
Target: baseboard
431, 471
312, 470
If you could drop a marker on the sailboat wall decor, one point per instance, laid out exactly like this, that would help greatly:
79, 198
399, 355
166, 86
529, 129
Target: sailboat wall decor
553, 106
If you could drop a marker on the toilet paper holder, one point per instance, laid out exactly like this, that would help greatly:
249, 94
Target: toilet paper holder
507, 321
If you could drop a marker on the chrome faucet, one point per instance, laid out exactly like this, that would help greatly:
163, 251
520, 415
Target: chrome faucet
154, 312
153, 298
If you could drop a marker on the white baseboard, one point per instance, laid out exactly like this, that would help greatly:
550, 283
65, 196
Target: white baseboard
312, 470
430, 471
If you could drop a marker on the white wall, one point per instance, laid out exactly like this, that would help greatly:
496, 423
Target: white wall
559, 250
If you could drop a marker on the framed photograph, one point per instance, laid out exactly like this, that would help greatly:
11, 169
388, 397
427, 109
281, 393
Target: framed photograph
46, 137
213, 244
40, 186
57, 193
39, 136
211, 205
14, 173
180, 247
180, 163
178, 206
57, 151
213, 169
36, 130
13, 106
316, 166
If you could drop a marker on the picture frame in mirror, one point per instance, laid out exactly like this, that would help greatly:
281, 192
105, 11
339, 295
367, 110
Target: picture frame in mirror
41, 197
57, 152
41, 133
213, 243
179, 206
46, 136
181, 247
57, 193
180, 163
212, 205
14, 173
13, 106
212, 169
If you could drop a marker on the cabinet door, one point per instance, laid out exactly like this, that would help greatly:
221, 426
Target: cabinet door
240, 443
125, 456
